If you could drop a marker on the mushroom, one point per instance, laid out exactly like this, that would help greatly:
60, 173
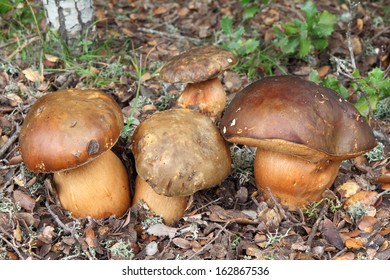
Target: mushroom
302, 132
177, 153
199, 69
70, 132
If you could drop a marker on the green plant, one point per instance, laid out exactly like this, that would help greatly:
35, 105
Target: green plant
312, 210
244, 45
303, 36
376, 87
235, 240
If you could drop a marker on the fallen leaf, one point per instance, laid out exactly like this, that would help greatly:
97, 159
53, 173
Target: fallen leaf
160, 10
162, 230
33, 75
347, 189
354, 243
18, 233
385, 231
331, 234
151, 249
218, 214
367, 223
367, 198
24, 200
347, 256
182, 243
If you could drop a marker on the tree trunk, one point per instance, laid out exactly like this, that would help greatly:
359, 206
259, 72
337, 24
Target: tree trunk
69, 18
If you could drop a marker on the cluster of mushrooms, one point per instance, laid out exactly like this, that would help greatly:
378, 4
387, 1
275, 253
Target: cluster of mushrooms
302, 132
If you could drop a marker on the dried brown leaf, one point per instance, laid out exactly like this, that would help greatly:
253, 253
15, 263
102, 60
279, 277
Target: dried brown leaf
331, 234
24, 200
346, 256
18, 233
347, 189
367, 198
367, 223
162, 230
33, 75
354, 243
182, 243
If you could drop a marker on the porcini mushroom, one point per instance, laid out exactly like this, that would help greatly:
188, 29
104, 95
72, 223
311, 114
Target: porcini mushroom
302, 132
177, 153
199, 69
70, 132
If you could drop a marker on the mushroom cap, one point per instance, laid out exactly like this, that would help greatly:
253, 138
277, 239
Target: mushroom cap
197, 65
291, 115
68, 128
180, 151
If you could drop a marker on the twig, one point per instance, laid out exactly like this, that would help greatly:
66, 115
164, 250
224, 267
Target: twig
208, 243
316, 224
339, 253
73, 232
10, 141
352, 9
10, 244
169, 35
20, 48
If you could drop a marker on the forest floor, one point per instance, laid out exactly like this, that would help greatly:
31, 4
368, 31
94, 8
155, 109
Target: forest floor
230, 221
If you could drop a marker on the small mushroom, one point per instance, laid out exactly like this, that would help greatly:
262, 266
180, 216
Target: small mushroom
177, 153
302, 132
199, 69
70, 132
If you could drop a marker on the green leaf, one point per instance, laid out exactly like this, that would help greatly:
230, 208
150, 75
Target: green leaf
251, 45
244, 2
376, 74
310, 11
293, 28
227, 25
289, 45
250, 12
320, 43
325, 25
314, 77
238, 33
5, 6
333, 83
362, 106
304, 47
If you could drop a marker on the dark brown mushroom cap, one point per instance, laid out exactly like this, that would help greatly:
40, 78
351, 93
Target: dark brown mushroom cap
68, 128
197, 65
180, 151
295, 116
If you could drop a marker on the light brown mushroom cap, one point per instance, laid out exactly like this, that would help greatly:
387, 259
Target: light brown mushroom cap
179, 152
298, 117
68, 128
197, 65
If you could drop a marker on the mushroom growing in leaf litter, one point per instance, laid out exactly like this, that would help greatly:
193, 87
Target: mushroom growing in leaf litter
199, 69
302, 132
70, 132
177, 153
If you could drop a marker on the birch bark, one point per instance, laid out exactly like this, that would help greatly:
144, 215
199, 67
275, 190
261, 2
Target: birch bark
69, 18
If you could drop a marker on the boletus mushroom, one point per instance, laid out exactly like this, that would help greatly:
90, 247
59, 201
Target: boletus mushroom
302, 132
199, 69
177, 153
70, 133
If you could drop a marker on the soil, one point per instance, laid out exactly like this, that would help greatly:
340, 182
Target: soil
233, 220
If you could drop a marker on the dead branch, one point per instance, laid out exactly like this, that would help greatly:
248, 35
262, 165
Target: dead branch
10, 141
316, 224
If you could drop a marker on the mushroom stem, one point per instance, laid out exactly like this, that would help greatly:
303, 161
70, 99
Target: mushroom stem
208, 97
294, 180
97, 189
170, 209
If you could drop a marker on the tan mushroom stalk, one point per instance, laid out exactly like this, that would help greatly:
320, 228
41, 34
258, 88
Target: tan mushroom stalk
302, 132
70, 132
177, 153
199, 69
